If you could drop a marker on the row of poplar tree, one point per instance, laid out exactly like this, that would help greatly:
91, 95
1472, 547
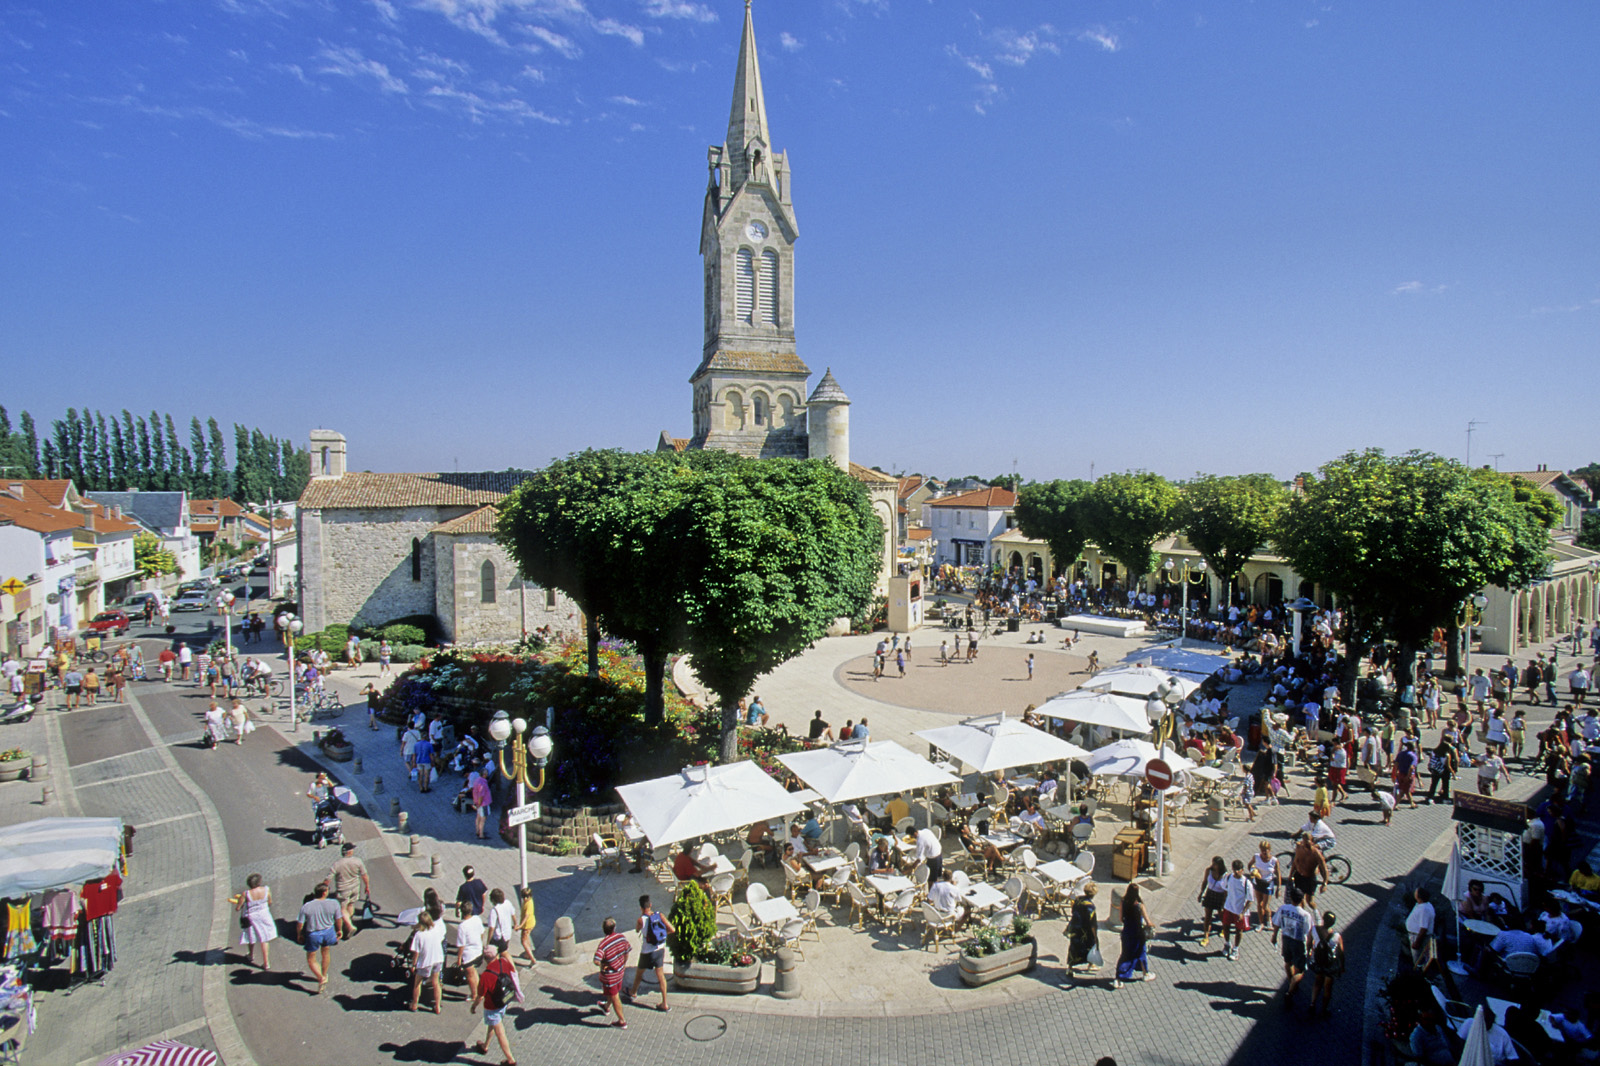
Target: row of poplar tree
100, 454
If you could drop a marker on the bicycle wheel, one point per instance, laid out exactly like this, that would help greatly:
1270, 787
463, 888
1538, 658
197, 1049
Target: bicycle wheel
275, 687
1338, 869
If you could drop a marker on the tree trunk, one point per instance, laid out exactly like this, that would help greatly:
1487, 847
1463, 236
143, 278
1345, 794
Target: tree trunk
730, 731
655, 672
1405, 672
1452, 649
594, 646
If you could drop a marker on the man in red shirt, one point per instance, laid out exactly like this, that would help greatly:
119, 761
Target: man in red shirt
612, 958
688, 868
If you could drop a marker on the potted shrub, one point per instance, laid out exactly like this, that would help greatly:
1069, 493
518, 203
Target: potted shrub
701, 963
14, 764
995, 953
336, 747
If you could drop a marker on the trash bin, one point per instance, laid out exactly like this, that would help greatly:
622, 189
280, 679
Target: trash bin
1214, 817
1013, 624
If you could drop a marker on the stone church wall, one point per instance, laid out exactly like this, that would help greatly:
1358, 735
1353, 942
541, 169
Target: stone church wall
470, 619
366, 563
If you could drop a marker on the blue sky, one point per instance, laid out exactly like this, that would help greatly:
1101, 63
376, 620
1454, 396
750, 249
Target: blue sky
1176, 236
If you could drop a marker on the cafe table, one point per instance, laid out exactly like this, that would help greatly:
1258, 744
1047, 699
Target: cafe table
1502, 1006
888, 885
1060, 871
1003, 840
773, 911
821, 864
983, 896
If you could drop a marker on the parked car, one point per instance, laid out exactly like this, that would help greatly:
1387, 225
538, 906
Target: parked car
191, 601
136, 602
114, 622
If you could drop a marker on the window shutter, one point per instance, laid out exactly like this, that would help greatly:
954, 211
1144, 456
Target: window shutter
745, 286
769, 287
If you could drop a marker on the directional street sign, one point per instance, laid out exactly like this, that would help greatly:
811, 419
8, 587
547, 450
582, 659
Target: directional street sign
526, 813
12, 586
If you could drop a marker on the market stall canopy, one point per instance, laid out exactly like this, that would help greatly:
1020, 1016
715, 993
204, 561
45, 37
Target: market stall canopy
1098, 708
1137, 681
1178, 660
995, 742
56, 852
853, 769
1128, 757
163, 1053
700, 800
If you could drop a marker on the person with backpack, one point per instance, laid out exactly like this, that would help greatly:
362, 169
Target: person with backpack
653, 928
498, 988
1327, 963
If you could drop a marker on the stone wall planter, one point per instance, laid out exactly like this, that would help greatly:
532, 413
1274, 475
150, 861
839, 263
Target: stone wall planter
339, 752
981, 971
710, 977
13, 770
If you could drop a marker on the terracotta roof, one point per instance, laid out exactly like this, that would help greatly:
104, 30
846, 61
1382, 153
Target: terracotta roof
678, 444
872, 477
224, 507
38, 518
987, 498
1016, 536
205, 524
753, 362
105, 522
479, 521
50, 493
909, 484
920, 533
410, 490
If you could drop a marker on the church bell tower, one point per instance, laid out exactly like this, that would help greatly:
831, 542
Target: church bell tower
750, 387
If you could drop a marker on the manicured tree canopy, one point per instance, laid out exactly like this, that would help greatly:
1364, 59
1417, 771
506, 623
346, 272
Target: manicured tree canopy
1125, 514
1229, 519
1052, 511
1404, 540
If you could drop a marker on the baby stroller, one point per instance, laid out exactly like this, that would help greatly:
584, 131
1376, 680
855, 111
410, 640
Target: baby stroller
328, 829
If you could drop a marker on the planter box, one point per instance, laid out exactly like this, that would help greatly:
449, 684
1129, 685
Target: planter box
13, 770
339, 752
980, 971
710, 977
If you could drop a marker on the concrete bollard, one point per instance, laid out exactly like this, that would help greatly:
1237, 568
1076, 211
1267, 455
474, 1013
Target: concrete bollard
356, 764
786, 976
402, 822
433, 866
377, 786
414, 844
565, 953
40, 768
48, 796
394, 807
1214, 814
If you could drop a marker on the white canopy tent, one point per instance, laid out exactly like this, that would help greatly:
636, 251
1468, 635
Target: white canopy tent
54, 852
1137, 681
1098, 708
1178, 660
700, 800
994, 742
854, 769
1128, 758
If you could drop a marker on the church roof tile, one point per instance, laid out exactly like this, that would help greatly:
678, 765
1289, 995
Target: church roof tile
480, 521
367, 489
872, 477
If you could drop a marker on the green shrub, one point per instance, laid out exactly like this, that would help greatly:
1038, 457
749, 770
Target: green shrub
416, 629
401, 634
694, 923
404, 653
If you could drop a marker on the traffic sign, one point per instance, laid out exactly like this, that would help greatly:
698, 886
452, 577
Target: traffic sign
12, 586
525, 813
1158, 775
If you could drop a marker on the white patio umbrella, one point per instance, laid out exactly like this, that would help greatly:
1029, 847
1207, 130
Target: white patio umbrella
1098, 708
1177, 660
1476, 1051
853, 769
1137, 681
700, 800
994, 742
1128, 758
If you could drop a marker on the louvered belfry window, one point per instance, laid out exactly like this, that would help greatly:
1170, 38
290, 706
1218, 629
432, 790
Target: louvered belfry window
769, 287
745, 286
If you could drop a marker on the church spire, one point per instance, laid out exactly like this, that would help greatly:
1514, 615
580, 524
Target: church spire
747, 120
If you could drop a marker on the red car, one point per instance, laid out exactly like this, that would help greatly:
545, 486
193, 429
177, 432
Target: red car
114, 622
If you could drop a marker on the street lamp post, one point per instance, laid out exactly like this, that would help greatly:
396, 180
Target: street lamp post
290, 626
501, 727
225, 608
1471, 615
1166, 699
1190, 573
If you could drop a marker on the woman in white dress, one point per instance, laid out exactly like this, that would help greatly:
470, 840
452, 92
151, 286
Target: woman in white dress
255, 916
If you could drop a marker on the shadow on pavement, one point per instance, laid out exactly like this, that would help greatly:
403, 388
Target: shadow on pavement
299, 836
200, 958
424, 1050
249, 975
1240, 1000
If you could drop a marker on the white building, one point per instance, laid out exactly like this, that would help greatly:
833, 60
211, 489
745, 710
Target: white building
967, 523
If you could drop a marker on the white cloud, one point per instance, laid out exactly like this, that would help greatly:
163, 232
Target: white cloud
1416, 288
972, 63
627, 101
790, 42
349, 63
1099, 35
613, 28
386, 10
244, 127
481, 110
565, 46
531, 73
1017, 48
679, 9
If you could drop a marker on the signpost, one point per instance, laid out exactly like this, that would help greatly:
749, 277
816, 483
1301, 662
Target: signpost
12, 586
523, 814
1158, 775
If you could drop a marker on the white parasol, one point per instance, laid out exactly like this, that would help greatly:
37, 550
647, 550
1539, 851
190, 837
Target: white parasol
995, 742
1098, 708
700, 800
853, 769
1128, 758
1137, 681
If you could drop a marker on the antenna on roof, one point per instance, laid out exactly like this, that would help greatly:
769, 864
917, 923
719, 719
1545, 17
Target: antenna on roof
1497, 456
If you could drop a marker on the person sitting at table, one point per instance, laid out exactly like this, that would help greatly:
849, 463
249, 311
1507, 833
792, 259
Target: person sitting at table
880, 860
1558, 927
687, 867
945, 898
1512, 942
1580, 1031
896, 809
792, 863
1048, 784
760, 839
979, 848
1031, 817
1430, 1039
1522, 1025
1474, 904
1584, 879
812, 831
641, 847
798, 841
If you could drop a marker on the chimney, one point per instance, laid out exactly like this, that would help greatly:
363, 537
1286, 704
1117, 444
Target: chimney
88, 519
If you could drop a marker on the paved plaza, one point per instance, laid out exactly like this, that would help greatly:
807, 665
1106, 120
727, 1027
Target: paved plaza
209, 818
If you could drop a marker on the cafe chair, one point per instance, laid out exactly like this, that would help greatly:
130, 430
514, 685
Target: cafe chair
751, 936
722, 891
606, 854
756, 892
862, 906
904, 825
836, 884
852, 852
900, 909
936, 926
811, 911
1002, 919
789, 936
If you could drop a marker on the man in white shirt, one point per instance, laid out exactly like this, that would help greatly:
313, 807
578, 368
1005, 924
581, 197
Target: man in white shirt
1589, 725
1501, 1050
929, 850
946, 899
469, 947
1419, 927
1478, 685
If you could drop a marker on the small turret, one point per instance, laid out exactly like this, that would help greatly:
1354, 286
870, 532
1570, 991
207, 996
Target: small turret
828, 422
327, 453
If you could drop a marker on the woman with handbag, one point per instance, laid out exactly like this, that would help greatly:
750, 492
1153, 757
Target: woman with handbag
1136, 930
1083, 933
254, 905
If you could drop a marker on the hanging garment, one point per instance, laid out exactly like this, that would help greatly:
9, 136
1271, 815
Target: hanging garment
95, 950
19, 930
59, 913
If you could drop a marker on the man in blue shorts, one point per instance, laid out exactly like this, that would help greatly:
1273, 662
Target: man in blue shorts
318, 928
497, 989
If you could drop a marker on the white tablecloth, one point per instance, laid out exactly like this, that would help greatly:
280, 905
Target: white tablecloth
984, 896
1060, 871
773, 911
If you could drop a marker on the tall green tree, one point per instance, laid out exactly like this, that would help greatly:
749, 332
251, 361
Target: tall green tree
30, 445
176, 465
147, 458
49, 460
221, 480
1229, 519
243, 464
1125, 514
1404, 540
1052, 511
771, 552
201, 480
65, 451
296, 472
13, 461
119, 457
130, 454
158, 455
1588, 475
103, 451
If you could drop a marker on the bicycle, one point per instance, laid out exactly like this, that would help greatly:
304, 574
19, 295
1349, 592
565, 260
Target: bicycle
272, 687
1339, 868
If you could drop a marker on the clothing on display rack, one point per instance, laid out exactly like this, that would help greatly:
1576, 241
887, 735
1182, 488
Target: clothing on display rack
20, 942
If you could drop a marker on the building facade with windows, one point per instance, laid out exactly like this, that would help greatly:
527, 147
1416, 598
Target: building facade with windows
966, 524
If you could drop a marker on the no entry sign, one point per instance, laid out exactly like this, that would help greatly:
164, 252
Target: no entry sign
1158, 775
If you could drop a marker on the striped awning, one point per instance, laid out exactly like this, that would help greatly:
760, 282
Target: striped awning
163, 1053
54, 852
